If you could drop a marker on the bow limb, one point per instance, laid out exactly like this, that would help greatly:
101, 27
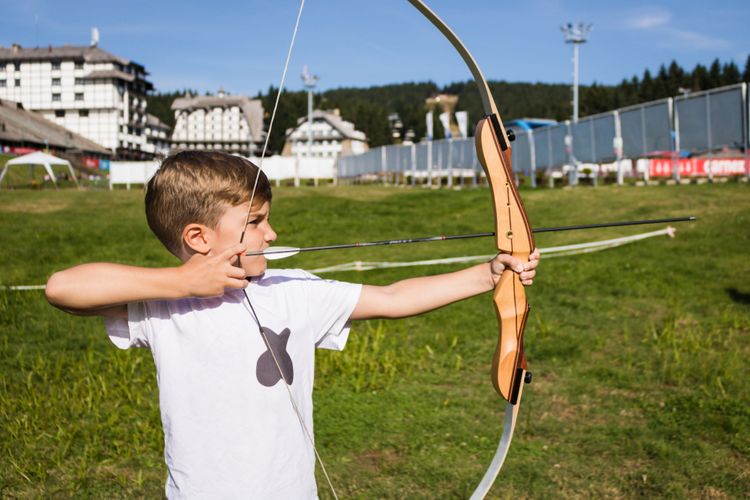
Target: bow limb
513, 235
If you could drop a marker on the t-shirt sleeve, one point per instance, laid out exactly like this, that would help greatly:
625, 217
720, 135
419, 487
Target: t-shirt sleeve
330, 304
133, 332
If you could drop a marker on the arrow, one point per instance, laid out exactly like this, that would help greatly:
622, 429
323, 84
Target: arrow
279, 252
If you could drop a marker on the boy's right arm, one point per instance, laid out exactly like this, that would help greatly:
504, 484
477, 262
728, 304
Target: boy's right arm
105, 289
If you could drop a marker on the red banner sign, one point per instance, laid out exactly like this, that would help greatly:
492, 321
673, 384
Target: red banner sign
90, 162
697, 167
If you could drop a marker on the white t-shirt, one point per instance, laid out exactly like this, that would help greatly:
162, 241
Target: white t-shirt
230, 430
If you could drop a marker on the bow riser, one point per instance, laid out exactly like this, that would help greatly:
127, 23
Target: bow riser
513, 236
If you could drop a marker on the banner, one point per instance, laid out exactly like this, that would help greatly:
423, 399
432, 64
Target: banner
90, 162
428, 119
445, 121
462, 117
697, 167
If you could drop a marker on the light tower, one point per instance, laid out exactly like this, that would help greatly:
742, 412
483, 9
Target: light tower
309, 81
576, 35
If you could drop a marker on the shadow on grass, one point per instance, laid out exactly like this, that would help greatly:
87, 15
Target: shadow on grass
738, 297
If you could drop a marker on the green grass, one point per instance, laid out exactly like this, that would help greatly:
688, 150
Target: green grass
639, 353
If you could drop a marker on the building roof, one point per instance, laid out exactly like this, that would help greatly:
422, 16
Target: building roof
154, 122
344, 127
69, 52
530, 123
110, 73
252, 109
20, 126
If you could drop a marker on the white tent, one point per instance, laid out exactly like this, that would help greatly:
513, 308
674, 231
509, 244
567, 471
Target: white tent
39, 158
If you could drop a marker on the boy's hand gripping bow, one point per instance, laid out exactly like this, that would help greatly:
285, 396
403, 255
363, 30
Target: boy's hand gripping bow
513, 236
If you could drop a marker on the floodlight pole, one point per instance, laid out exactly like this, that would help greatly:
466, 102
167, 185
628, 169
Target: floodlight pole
309, 81
575, 35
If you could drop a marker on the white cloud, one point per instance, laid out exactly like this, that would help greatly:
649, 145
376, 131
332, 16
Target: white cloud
692, 40
649, 20
659, 22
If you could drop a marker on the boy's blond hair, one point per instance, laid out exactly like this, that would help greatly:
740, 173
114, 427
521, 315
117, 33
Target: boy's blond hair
198, 187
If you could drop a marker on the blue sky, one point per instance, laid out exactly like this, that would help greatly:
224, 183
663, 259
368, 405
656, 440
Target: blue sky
241, 45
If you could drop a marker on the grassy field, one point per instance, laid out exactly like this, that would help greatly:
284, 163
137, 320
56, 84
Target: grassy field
639, 353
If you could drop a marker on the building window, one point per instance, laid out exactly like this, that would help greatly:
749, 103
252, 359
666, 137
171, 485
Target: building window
3, 83
79, 96
83, 113
55, 97
79, 81
17, 65
55, 64
18, 82
59, 113
55, 82
79, 64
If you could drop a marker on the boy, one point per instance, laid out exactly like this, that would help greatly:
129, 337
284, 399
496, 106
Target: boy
233, 342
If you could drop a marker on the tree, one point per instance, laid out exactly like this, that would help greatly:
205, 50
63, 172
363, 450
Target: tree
699, 78
675, 78
730, 73
714, 75
647, 87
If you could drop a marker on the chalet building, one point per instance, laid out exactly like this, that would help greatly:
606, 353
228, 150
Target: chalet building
233, 124
331, 137
157, 136
87, 90
23, 131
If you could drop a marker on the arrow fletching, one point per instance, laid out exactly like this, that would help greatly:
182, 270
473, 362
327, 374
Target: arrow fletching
276, 253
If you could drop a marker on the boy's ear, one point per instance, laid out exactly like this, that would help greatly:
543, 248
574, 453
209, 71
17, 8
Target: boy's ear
195, 237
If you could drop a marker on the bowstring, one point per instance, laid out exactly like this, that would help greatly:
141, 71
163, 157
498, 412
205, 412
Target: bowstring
273, 116
263, 335
291, 396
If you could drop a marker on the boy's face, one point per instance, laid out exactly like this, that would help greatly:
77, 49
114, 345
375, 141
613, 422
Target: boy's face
258, 235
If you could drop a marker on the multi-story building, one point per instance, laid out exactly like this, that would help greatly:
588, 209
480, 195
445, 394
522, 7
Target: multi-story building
157, 136
85, 89
229, 123
331, 137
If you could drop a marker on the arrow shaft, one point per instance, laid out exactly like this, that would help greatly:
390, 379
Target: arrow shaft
473, 235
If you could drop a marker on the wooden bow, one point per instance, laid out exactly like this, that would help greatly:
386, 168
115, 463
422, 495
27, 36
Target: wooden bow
513, 236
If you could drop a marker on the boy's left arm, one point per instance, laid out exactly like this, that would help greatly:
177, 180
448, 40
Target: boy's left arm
418, 295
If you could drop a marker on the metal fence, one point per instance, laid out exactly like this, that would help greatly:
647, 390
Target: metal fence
676, 132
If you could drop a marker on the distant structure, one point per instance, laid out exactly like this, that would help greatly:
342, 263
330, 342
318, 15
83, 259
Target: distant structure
446, 103
524, 125
331, 137
309, 81
23, 132
575, 35
87, 90
157, 136
233, 124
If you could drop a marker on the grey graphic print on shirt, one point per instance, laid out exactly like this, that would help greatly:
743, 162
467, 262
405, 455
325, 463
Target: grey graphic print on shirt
266, 369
